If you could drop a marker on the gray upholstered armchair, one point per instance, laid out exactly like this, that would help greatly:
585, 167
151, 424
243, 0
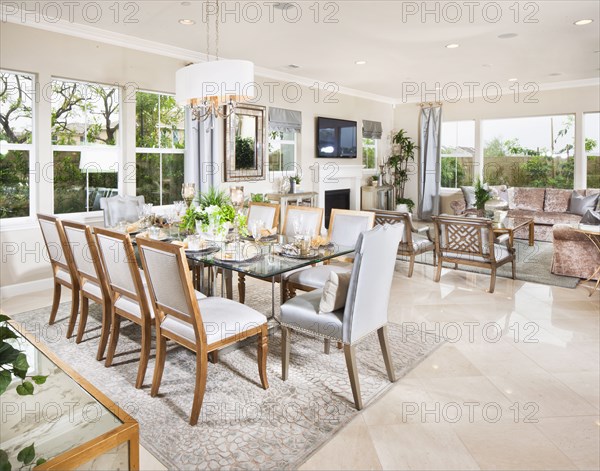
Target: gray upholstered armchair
366, 308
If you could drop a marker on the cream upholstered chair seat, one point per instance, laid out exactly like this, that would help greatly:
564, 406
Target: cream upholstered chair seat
419, 243
303, 313
221, 317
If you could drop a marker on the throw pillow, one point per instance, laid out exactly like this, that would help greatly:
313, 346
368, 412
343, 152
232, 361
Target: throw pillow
581, 204
335, 292
469, 196
591, 217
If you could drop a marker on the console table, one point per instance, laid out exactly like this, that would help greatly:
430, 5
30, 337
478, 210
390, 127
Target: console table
71, 423
305, 198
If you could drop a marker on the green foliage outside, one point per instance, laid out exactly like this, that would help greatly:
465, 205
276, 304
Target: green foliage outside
244, 153
368, 151
14, 180
453, 173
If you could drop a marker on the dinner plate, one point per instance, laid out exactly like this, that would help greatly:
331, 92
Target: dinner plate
204, 251
313, 253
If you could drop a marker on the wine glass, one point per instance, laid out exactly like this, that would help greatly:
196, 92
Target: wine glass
171, 217
257, 228
298, 223
188, 191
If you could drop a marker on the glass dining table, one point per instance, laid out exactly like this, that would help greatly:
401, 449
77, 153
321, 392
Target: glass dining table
265, 259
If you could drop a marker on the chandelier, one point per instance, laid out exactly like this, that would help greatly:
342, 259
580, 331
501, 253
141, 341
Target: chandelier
213, 88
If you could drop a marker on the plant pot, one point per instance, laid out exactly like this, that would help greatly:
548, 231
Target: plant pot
292, 186
402, 208
374, 182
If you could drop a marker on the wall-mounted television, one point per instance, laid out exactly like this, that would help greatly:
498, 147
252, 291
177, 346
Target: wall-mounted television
336, 138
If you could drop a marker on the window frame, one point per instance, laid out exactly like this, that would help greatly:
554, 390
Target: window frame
26, 221
156, 150
295, 167
86, 215
474, 157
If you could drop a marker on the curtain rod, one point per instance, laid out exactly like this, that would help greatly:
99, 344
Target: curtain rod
430, 104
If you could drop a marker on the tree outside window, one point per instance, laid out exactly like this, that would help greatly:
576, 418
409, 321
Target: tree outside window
84, 116
592, 150
16, 149
369, 153
458, 153
282, 151
160, 142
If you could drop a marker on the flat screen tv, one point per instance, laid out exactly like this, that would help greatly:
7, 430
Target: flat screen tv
336, 138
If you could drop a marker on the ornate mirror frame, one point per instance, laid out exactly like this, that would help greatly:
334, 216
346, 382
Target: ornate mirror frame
257, 170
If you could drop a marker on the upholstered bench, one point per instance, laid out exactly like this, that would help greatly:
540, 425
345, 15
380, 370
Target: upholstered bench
574, 254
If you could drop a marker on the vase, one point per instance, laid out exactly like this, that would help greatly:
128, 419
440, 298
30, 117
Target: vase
402, 208
292, 186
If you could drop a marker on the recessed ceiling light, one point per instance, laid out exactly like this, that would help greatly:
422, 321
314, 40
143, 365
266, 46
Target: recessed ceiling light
186, 22
555, 74
360, 62
283, 5
452, 46
507, 35
185, 4
293, 66
486, 65
512, 79
583, 22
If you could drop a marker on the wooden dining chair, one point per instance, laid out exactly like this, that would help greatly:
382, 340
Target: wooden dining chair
265, 212
92, 281
312, 218
201, 326
127, 291
63, 269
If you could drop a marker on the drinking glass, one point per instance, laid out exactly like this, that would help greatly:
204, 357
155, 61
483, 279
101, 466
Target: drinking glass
171, 218
257, 228
298, 223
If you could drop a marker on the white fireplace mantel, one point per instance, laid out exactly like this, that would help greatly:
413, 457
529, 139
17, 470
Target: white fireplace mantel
333, 176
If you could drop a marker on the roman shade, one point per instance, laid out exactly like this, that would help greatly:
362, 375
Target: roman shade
282, 120
372, 129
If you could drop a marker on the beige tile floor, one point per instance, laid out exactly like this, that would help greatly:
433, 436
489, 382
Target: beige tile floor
515, 387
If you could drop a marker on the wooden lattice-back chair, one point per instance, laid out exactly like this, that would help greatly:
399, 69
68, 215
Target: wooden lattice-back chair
471, 241
415, 241
63, 268
92, 280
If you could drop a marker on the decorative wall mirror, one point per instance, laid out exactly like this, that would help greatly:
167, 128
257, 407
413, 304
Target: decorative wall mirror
245, 140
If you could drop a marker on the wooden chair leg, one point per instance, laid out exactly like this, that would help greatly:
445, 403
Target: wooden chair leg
106, 323
438, 272
214, 357
85, 302
74, 311
350, 355
242, 287
228, 280
159, 366
387, 357
55, 303
115, 330
493, 280
144, 355
285, 352
283, 290
201, 370
434, 258
411, 266
326, 346
514, 269
291, 292
340, 345
263, 349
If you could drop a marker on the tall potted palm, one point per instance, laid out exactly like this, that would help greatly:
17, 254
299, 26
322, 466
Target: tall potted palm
403, 153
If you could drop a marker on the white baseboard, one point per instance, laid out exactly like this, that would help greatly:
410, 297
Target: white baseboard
20, 289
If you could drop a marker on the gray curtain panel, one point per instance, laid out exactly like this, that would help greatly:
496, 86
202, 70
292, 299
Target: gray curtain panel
199, 164
430, 167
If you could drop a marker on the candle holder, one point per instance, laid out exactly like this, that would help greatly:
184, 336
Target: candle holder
382, 175
236, 194
188, 192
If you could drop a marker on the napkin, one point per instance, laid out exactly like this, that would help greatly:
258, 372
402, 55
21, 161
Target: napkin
268, 232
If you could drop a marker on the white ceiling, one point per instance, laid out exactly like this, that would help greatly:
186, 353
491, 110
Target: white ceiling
398, 50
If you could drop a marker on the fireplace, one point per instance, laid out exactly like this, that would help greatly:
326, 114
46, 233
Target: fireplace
338, 199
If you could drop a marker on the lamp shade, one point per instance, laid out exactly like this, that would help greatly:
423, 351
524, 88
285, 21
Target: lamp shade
99, 160
223, 80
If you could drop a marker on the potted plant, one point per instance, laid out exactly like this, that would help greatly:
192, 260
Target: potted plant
404, 153
482, 196
294, 182
375, 180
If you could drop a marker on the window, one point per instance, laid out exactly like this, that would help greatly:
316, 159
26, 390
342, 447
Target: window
16, 149
533, 152
458, 153
160, 142
85, 138
592, 148
369, 153
282, 151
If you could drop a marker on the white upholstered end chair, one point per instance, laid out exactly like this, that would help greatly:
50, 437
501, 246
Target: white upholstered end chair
268, 213
92, 281
121, 208
366, 308
201, 326
63, 268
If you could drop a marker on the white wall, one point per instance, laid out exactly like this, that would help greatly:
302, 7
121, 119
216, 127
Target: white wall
575, 101
48, 55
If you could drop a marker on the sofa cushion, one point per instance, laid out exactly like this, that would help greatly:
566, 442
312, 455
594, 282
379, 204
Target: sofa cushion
557, 200
581, 204
531, 199
522, 213
469, 196
551, 218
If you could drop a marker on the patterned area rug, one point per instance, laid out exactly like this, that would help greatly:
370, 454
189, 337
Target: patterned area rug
533, 265
241, 425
